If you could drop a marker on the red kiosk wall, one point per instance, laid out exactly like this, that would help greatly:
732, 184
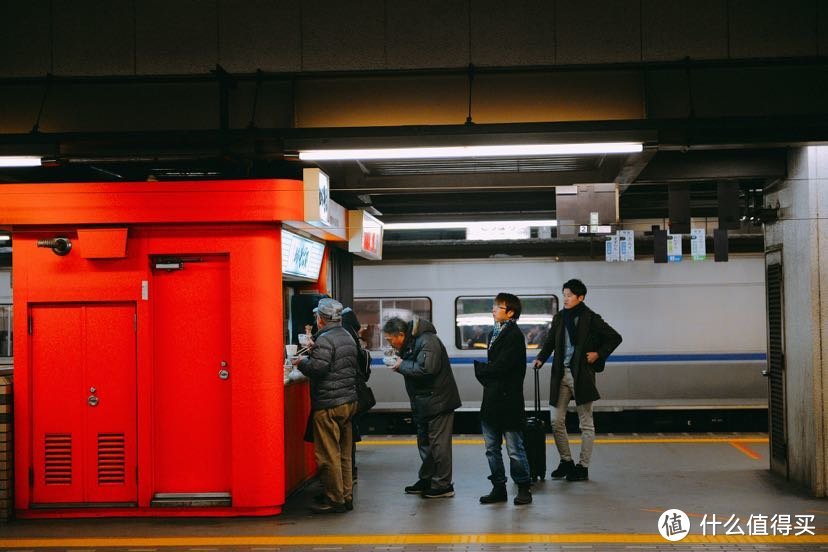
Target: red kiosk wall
251, 305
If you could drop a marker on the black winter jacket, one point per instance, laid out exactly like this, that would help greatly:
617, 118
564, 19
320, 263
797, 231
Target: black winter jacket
593, 335
429, 380
502, 378
331, 367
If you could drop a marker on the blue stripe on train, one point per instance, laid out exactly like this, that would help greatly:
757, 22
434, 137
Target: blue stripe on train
690, 357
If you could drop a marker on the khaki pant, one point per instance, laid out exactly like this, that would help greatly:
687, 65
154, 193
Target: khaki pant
332, 441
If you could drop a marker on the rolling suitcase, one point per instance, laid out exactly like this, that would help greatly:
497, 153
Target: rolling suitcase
534, 439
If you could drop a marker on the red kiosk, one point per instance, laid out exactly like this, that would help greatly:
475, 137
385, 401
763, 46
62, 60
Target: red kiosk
148, 370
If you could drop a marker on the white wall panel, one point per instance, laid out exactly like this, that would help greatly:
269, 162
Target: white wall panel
683, 28
343, 35
176, 37
520, 32
775, 28
25, 44
259, 34
94, 37
592, 31
427, 33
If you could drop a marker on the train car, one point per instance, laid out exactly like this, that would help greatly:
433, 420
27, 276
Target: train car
694, 332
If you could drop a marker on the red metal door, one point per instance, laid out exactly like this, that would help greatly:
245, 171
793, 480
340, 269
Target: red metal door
83, 404
191, 378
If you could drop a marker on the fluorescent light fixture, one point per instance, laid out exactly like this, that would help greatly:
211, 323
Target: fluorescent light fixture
5, 238
521, 150
19, 160
464, 225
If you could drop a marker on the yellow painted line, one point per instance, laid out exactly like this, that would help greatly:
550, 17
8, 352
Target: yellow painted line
645, 441
742, 448
427, 539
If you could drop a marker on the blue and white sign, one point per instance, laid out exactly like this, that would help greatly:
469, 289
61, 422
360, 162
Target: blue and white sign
626, 245
611, 249
301, 257
673, 248
698, 247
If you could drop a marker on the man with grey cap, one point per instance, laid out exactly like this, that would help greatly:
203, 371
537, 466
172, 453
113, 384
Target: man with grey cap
331, 367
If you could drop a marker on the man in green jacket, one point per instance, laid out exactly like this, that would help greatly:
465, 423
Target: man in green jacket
429, 382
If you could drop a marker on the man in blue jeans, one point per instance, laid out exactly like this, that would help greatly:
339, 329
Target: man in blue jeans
502, 415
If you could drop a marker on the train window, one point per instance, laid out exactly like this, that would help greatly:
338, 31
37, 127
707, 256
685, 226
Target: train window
473, 319
6, 331
373, 313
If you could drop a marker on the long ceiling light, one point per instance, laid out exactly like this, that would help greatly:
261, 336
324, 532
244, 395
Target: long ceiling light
521, 150
19, 160
466, 225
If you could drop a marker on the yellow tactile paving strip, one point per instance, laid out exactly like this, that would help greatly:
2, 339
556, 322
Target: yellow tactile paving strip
402, 540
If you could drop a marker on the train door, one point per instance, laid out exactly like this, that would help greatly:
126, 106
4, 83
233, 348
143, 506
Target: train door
83, 404
777, 408
191, 379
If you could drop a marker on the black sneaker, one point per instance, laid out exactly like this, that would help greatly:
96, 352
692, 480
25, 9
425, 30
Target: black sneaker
498, 494
349, 505
443, 492
419, 487
563, 469
578, 473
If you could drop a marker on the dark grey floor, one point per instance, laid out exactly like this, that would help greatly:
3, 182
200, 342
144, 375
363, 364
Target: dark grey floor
631, 483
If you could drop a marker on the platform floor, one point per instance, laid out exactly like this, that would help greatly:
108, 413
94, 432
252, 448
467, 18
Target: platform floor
633, 480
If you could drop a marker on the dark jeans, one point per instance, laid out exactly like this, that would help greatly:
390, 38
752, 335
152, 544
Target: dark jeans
518, 463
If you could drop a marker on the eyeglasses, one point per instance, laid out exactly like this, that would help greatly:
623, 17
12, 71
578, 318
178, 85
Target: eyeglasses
498, 307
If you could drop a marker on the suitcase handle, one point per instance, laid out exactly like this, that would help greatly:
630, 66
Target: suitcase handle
537, 391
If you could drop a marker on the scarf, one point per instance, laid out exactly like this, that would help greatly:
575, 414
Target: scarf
498, 327
569, 317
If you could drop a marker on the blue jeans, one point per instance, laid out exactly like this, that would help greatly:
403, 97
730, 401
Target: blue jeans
518, 463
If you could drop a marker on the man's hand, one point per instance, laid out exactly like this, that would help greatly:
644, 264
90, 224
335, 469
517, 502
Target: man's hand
296, 360
536, 364
592, 357
396, 366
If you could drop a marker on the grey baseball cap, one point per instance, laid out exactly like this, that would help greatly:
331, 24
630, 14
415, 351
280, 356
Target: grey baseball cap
329, 308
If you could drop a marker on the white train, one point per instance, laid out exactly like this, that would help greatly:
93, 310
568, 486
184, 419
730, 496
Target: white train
694, 332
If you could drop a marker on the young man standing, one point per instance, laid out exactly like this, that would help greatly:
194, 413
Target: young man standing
582, 341
430, 385
502, 413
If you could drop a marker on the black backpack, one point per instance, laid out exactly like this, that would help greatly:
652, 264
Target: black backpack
363, 363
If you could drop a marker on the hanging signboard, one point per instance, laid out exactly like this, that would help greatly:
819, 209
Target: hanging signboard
301, 257
365, 235
324, 218
626, 245
698, 247
673, 248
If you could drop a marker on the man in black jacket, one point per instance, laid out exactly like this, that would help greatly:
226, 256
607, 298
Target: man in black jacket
331, 368
502, 413
432, 390
582, 341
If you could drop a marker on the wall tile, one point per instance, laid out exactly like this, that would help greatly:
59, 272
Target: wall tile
259, 34
339, 35
774, 28
94, 37
176, 37
24, 38
592, 31
684, 28
519, 32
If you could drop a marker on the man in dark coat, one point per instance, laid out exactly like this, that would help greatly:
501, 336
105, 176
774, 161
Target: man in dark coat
502, 413
331, 368
430, 385
582, 341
